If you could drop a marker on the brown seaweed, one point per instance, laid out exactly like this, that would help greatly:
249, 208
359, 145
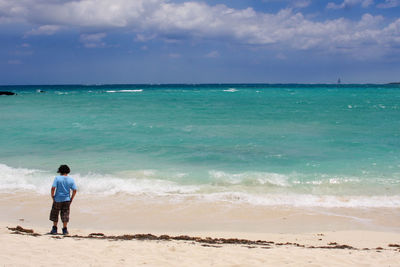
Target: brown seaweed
205, 242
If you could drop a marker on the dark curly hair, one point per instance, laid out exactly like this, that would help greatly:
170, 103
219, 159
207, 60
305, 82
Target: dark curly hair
63, 169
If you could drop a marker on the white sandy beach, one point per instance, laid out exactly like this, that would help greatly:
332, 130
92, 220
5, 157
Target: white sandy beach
293, 231
25, 250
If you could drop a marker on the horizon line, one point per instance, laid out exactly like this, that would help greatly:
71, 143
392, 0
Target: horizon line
194, 84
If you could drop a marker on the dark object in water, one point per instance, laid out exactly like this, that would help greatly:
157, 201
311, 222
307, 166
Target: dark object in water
6, 93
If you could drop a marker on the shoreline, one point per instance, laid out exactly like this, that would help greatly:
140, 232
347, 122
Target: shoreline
127, 213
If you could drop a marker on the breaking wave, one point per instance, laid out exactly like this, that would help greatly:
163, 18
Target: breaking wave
266, 189
125, 91
232, 90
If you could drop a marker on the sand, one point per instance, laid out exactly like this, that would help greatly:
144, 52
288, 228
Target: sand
294, 236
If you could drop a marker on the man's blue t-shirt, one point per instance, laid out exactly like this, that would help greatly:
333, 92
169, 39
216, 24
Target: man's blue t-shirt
63, 185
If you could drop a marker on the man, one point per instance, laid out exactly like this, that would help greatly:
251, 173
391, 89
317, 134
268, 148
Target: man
60, 192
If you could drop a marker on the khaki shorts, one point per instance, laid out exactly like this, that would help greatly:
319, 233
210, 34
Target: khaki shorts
61, 208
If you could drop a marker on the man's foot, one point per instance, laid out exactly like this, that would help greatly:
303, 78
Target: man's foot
65, 231
53, 230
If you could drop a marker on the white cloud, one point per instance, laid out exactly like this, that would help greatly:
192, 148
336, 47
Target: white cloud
149, 19
389, 4
369, 22
93, 40
140, 37
350, 3
44, 30
301, 3
367, 3
212, 54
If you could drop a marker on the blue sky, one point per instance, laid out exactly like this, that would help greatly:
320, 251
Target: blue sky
210, 41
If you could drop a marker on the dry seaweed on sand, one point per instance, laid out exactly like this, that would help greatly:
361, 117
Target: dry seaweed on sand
205, 242
22, 231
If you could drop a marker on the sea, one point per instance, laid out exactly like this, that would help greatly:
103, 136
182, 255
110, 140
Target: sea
297, 145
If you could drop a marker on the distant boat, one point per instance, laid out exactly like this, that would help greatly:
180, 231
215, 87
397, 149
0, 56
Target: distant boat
339, 81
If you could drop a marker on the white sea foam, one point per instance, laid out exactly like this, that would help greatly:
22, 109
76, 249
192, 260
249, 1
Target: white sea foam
21, 179
306, 200
232, 188
231, 90
125, 91
262, 178
109, 185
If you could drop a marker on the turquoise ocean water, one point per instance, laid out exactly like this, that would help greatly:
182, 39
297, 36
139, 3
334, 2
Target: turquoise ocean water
302, 145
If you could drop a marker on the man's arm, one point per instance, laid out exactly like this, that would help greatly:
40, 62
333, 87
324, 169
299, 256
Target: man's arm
53, 189
73, 195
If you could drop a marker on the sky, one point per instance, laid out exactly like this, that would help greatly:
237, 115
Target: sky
209, 41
